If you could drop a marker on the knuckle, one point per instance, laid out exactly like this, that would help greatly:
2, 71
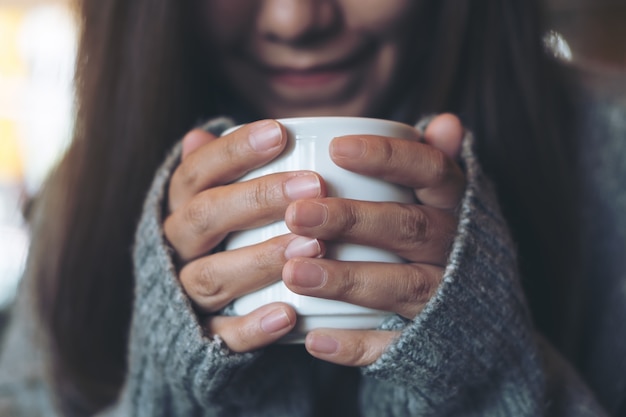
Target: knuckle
441, 168
449, 230
414, 226
242, 335
230, 332
187, 174
262, 264
416, 289
269, 257
208, 285
363, 352
385, 157
350, 285
170, 229
263, 194
232, 152
206, 289
350, 220
197, 214
386, 152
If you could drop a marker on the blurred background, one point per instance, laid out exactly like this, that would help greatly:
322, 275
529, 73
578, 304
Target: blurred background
37, 47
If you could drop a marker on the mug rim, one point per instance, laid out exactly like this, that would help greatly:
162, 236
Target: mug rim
285, 121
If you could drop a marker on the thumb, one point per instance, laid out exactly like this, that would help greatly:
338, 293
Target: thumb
195, 140
445, 132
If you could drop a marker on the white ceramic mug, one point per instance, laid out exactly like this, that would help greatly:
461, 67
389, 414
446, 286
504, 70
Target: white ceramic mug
307, 149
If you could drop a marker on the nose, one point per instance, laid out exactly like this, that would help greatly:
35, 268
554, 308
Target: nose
297, 21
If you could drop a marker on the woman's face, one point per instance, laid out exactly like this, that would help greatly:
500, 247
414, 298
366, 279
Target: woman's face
288, 58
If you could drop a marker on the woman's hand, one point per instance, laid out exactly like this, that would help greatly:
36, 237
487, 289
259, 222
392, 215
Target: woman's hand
205, 206
420, 233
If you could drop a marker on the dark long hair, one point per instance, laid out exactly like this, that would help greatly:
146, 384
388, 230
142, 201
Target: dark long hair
141, 83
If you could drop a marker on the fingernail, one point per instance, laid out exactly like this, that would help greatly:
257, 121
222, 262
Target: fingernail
307, 275
351, 148
322, 344
303, 247
264, 135
303, 186
309, 214
275, 321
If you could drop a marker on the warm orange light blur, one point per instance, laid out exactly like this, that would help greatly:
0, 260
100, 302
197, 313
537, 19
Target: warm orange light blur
37, 44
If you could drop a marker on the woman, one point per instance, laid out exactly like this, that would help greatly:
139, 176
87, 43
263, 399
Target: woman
143, 333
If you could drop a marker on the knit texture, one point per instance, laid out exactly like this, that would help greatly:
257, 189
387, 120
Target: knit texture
471, 351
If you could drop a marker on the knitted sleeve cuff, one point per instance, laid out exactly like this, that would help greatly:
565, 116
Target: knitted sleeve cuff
169, 356
473, 342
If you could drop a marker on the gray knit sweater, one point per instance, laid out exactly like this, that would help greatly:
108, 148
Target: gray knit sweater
471, 352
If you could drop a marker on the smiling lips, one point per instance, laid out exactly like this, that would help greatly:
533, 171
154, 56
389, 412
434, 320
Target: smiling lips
316, 74
305, 78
